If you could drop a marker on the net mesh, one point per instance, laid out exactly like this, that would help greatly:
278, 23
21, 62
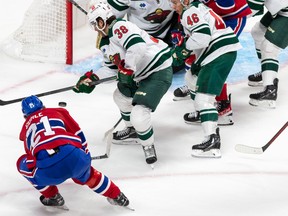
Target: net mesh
43, 34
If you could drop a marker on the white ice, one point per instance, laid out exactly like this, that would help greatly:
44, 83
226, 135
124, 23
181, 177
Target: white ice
237, 184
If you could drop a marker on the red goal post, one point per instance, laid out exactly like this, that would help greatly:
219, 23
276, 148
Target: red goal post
46, 32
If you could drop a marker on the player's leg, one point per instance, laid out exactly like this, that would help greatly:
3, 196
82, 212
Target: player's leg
123, 98
275, 40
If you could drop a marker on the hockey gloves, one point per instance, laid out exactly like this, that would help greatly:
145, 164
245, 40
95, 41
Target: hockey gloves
179, 54
125, 75
177, 38
83, 84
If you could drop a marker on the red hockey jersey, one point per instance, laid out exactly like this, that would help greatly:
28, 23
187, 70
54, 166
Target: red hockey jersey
49, 128
229, 9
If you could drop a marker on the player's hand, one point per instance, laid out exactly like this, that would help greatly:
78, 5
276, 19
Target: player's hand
177, 38
179, 54
83, 84
125, 75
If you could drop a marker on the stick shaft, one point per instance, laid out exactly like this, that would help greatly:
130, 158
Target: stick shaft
2, 102
275, 136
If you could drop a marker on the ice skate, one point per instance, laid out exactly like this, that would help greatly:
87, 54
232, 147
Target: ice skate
120, 200
127, 136
192, 118
209, 148
56, 201
266, 98
150, 154
225, 112
255, 79
181, 93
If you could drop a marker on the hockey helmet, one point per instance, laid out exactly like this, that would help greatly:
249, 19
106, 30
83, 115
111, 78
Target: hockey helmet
31, 104
99, 10
188, 2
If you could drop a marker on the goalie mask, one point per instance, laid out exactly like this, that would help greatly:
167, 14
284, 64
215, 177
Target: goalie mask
99, 10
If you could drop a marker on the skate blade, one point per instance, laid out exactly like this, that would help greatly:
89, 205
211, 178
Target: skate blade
126, 142
255, 84
225, 120
193, 123
181, 98
212, 153
269, 104
51, 208
129, 208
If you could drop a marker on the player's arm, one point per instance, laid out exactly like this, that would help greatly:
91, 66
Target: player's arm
131, 41
119, 7
222, 7
200, 33
73, 127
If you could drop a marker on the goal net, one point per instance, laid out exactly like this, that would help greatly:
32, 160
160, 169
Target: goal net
46, 33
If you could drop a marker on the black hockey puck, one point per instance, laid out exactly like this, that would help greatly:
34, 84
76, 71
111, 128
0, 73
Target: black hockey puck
62, 104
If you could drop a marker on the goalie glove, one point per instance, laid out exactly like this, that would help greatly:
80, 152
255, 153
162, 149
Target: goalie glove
83, 84
125, 75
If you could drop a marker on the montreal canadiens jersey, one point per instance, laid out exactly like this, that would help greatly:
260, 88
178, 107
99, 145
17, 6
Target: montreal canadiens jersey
229, 9
142, 52
49, 128
154, 16
207, 34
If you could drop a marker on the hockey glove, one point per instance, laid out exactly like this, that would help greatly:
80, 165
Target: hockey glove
179, 54
83, 86
177, 38
125, 75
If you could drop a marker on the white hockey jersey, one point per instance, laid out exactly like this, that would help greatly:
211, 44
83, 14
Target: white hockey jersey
142, 53
275, 6
207, 34
153, 16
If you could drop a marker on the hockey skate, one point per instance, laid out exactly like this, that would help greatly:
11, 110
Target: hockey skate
56, 201
266, 98
192, 118
225, 112
209, 148
120, 200
127, 136
150, 154
181, 93
255, 79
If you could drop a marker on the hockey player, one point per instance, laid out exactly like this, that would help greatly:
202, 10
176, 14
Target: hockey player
155, 17
215, 48
270, 35
234, 13
56, 150
143, 65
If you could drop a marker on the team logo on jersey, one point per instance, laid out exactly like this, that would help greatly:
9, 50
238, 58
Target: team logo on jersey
142, 5
158, 16
115, 59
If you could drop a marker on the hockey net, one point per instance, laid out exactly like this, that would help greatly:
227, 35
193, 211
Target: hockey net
46, 33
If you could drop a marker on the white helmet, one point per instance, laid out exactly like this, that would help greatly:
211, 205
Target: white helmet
100, 9
189, 2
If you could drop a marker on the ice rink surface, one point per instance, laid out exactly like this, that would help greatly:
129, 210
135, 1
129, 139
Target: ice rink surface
237, 184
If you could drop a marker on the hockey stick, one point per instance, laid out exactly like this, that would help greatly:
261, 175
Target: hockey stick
108, 137
259, 150
78, 6
3, 103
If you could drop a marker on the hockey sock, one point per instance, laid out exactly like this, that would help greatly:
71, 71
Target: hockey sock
101, 184
223, 95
